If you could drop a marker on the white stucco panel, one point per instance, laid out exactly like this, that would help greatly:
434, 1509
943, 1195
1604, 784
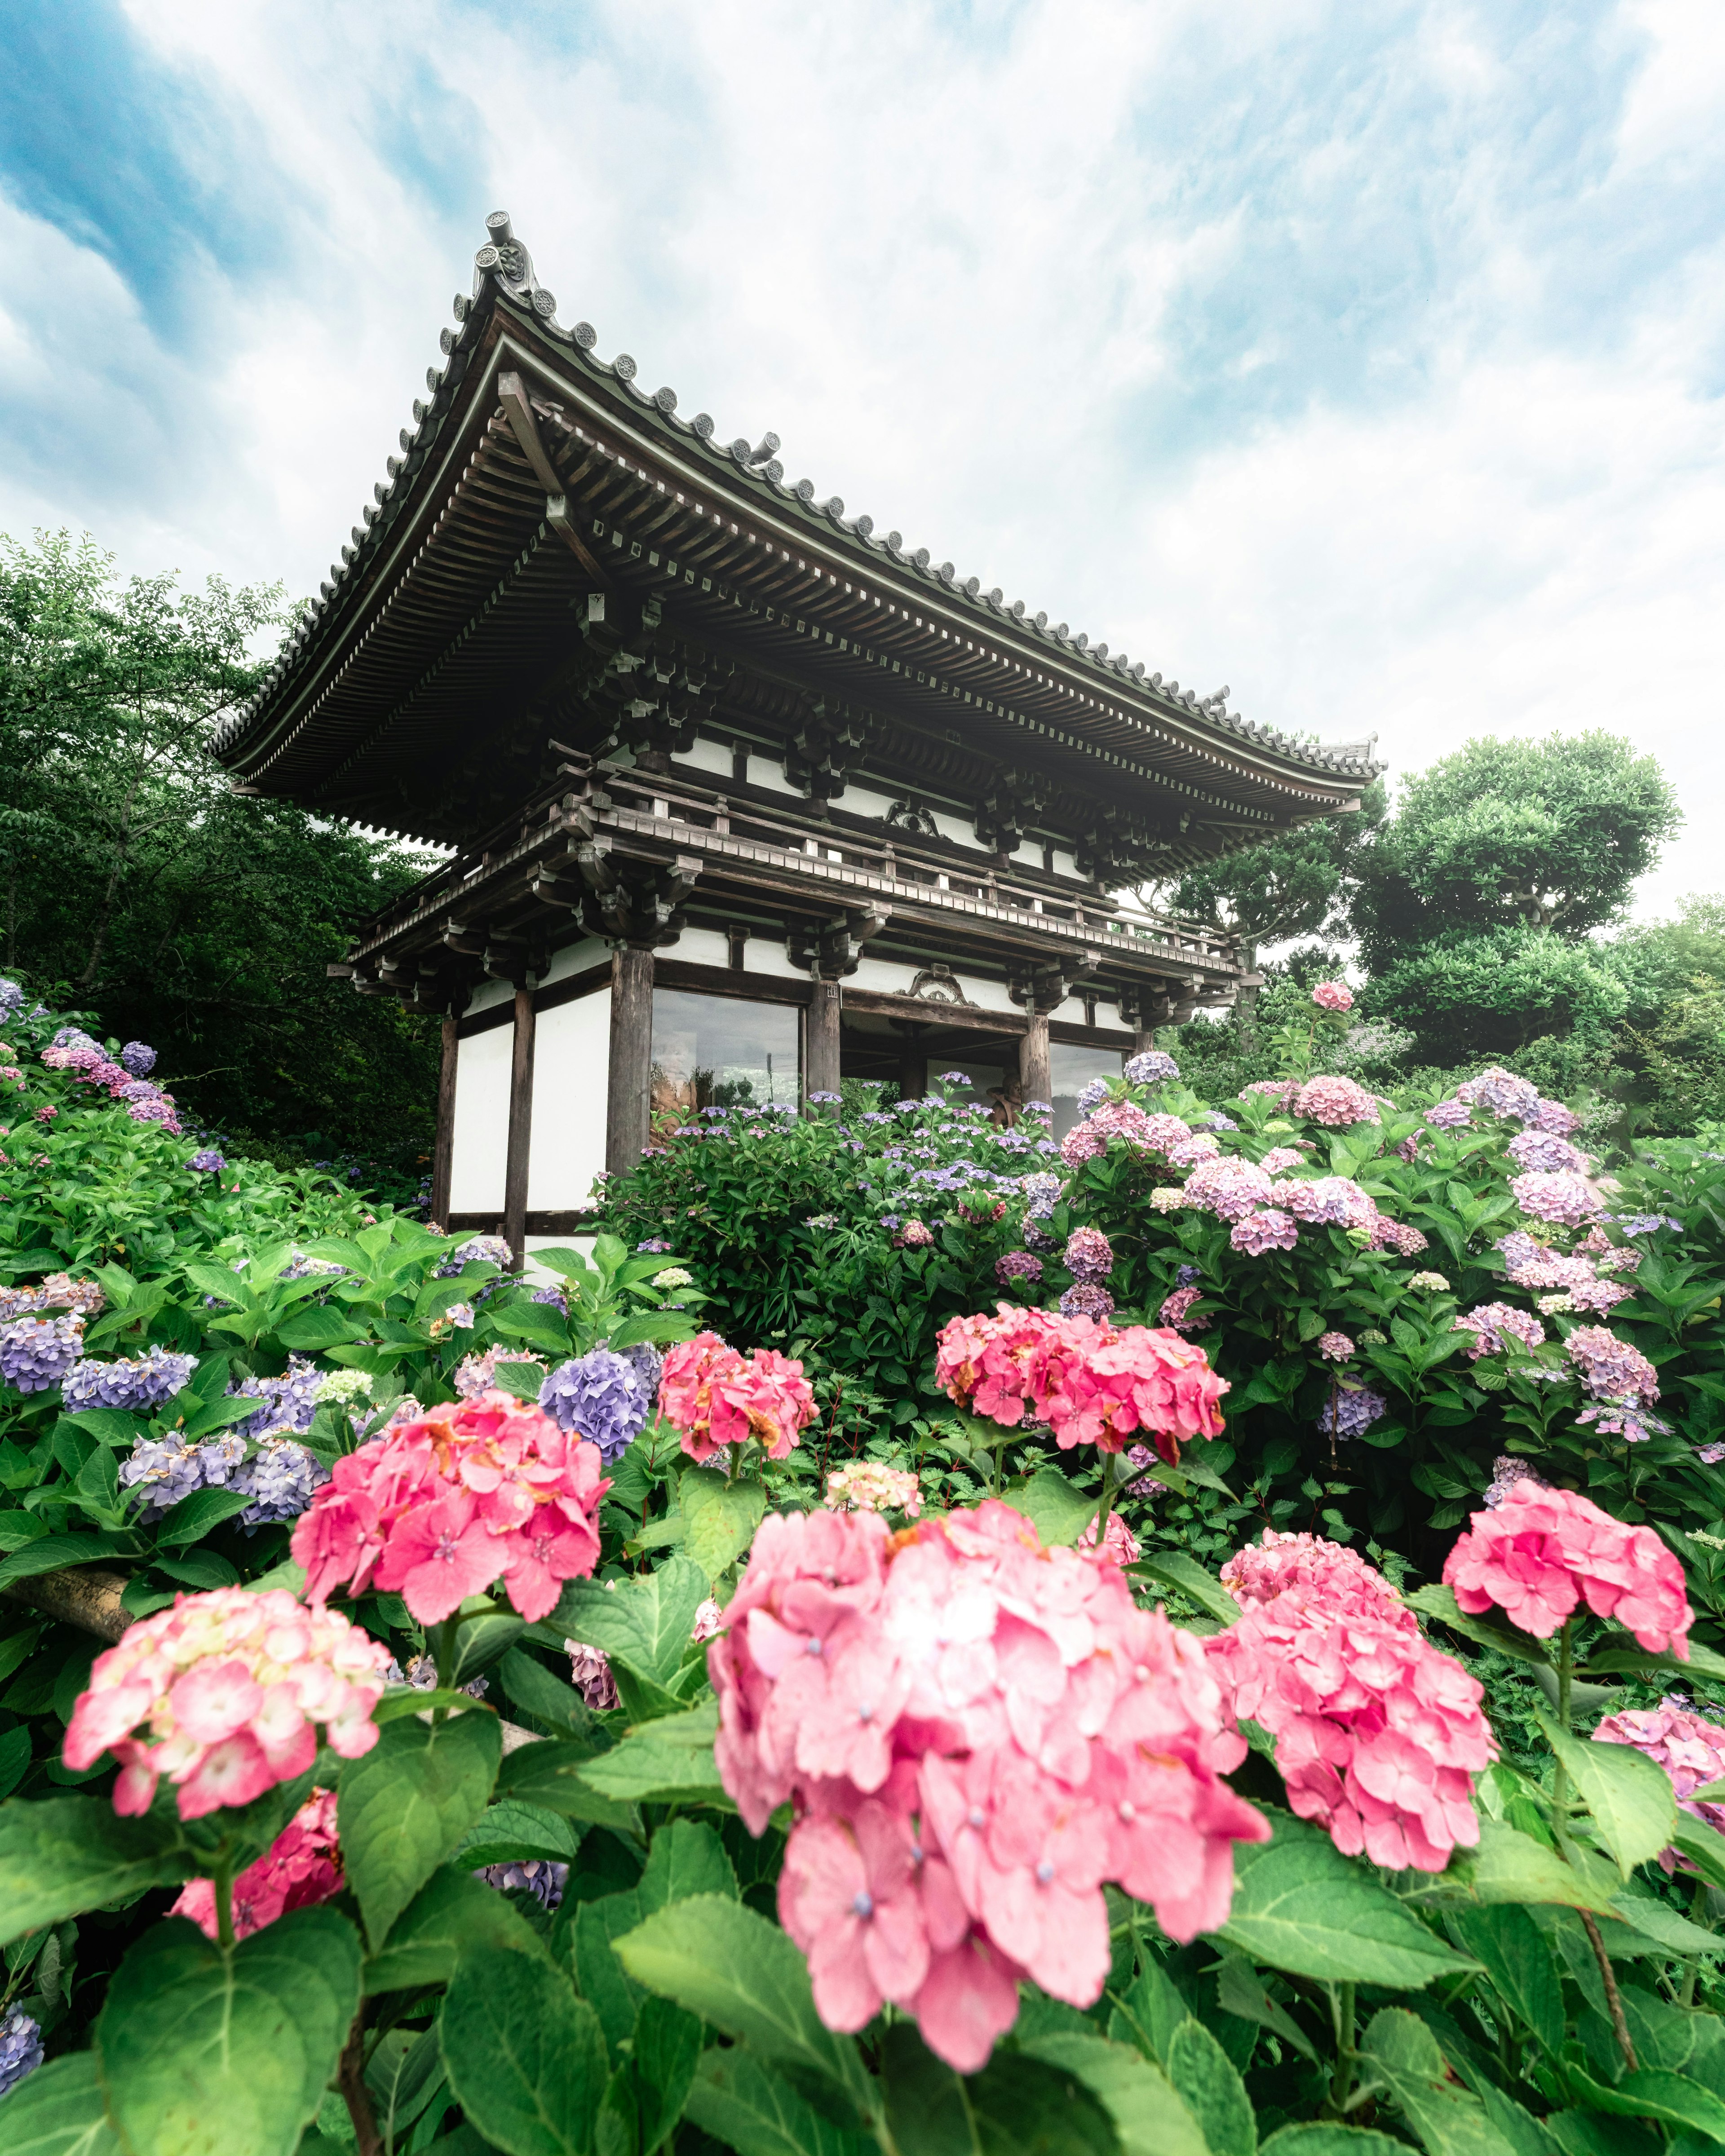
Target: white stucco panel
481, 1136
572, 1048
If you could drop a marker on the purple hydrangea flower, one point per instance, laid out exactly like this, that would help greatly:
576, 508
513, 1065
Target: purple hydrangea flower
1150, 1067
207, 1162
1347, 1413
1089, 1255
131, 1385
280, 1478
1506, 1471
554, 1298
1086, 1300
167, 1472
600, 1396
289, 1402
1502, 1092
1449, 1115
1092, 1096
1017, 1265
1213, 1119
1187, 1277
1044, 1192
541, 1876
1270, 1229
36, 1352
139, 1058
20, 2036
477, 1249
11, 997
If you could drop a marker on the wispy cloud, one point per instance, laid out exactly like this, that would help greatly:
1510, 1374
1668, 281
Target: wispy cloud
1367, 358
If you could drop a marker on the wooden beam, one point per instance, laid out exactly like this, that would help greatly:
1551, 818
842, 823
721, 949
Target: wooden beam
442, 1159
521, 1127
628, 1090
821, 1045
512, 395
1035, 1069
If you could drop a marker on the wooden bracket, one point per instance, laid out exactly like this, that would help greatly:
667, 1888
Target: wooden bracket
512, 395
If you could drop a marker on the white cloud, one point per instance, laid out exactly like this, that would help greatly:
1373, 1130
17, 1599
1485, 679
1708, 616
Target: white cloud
1261, 346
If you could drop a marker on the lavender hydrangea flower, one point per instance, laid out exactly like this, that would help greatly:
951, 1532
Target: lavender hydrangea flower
131, 1384
1506, 1472
164, 1471
1086, 1300
139, 1058
542, 1876
1347, 1413
11, 997
1187, 1275
477, 1249
207, 1161
288, 1402
1502, 1092
1017, 1265
600, 1396
280, 1478
300, 1267
1092, 1096
20, 2035
554, 1298
1213, 1119
1150, 1067
36, 1352
1449, 1115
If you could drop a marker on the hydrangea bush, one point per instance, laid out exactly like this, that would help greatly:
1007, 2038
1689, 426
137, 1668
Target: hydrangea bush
449, 1711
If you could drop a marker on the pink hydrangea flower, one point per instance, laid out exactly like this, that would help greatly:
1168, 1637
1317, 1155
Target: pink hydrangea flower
438, 1507
1230, 1188
1335, 1347
224, 1694
1540, 1553
1089, 1255
716, 1397
1176, 1311
1489, 1322
1202, 1145
1565, 1198
1093, 1383
1122, 1122
1610, 1368
1261, 1232
1333, 1201
976, 1733
1119, 1542
1281, 1158
303, 1865
1690, 1749
1333, 996
1388, 1234
1279, 1089
1377, 1734
1336, 1103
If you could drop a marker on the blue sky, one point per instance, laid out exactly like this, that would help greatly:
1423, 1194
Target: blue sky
1367, 358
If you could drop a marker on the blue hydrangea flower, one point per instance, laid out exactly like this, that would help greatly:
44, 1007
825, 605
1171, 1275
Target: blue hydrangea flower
281, 1478
1187, 1277
132, 1384
542, 1876
11, 998
207, 1162
36, 1352
553, 1297
1092, 1096
1347, 1413
477, 1249
139, 1058
20, 2035
1151, 1068
288, 1402
165, 1472
600, 1396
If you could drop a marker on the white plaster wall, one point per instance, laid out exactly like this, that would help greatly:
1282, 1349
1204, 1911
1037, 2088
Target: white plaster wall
700, 947
766, 954
572, 1048
487, 996
708, 755
576, 958
864, 801
481, 1138
768, 772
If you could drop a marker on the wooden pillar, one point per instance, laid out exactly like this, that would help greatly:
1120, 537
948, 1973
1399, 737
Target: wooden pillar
1034, 1066
912, 1070
521, 1127
443, 1159
820, 1046
628, 1091
1143, 1038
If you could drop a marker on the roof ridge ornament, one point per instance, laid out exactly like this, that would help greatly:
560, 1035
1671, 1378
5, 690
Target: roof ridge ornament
504, 258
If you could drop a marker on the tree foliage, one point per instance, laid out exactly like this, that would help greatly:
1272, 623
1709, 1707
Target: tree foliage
137, 884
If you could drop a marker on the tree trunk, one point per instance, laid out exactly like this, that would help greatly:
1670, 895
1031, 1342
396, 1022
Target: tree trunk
87, 980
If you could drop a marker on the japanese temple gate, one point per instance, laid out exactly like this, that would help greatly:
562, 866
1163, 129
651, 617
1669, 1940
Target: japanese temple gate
744, 796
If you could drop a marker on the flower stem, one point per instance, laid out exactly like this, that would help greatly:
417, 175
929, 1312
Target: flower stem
1560, 1779
349, 2079
446, 1652
1108, 1499
1612, 1998
1342, 2080
223, 1883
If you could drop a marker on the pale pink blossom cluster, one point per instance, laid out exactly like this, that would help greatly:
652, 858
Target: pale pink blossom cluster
1125, 1122
1230, 1188
1388, 1234
1335, 1103
1202, 1145
1260, 1232
1334, 1201
1281, 1158
1377, 1734
976, 1733
1279, 1089
1119, 1542
1565, 1198
1333, 996
1540, 1553
436, 1509
1690, 1749
1572, 1274
224, 1694
866, 1486
1490, 1322
1093, 1383
303, 1865
716, 1397
1335, 1347
1610, 1368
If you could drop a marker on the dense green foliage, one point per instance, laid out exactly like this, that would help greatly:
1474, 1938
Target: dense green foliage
136, 883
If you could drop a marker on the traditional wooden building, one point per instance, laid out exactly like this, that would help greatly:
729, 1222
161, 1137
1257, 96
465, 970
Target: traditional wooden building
742, 794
